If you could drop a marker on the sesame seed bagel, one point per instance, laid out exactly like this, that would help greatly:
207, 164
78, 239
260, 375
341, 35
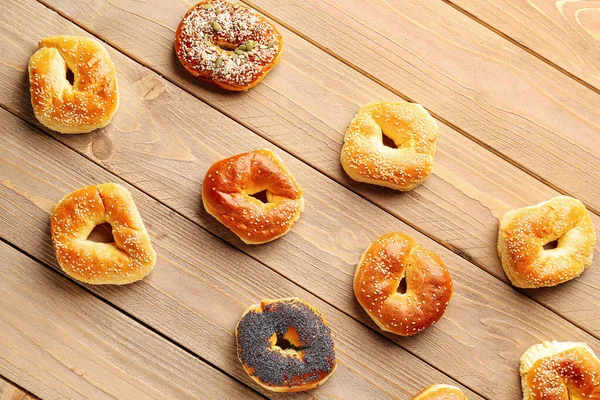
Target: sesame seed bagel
560, 371
441, 392
365, 158
382, 267
524, 232
87, 104
306, 363
128, 259
229, 45
227, 195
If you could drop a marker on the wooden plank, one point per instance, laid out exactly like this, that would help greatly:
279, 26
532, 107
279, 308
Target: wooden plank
304, 107
8, 391
458, 206
495, 92
168, 156
567, 33
185, 157
200, 286
59, 341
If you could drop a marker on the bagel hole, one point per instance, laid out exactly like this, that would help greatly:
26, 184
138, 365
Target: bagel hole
387, 141
70, 77
102, 233
284, 344
551, 245
402, 288
261, 196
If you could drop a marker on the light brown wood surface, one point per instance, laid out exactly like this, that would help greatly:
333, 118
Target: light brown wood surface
304, 253
163, 140
566, 33
8, 391
200, 286
60, 341
490, 89
458, 207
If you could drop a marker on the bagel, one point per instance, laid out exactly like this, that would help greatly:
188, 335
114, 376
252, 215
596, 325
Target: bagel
441, 392
305, 364
524, 232
128, 259
560, 371
87, 104
389, 260
226, 44
365, 158
227, 195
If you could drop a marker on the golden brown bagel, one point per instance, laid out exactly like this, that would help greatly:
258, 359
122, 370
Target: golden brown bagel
365, 158
305, 364
524, 232
390, 259
441, 392
128, 259
93, 98
227, 44
229, 184
560, 371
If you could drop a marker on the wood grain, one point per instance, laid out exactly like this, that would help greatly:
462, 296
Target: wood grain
494, 91
59, 341
152, 144
336, 227
565, 32
304, 107
8, 391
200, 285
322, 243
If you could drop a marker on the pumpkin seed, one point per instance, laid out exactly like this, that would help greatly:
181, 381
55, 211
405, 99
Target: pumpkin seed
219, 62
216, 26
271, 43
242, 47
208, 6
239, 51
250, 45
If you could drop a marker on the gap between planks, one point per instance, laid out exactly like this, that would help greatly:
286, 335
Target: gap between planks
10, 388
124, 312
522, 46
229, 115
435, 115
227, 244
357, 69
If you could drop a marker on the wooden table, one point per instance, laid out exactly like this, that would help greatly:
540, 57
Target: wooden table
515, 87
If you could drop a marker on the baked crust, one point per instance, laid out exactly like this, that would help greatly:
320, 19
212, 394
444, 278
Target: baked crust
323, 355
365, 158
229, 184
390, 259
441, 392
128, 259
93, 98
524, 232
560, 370
210, 38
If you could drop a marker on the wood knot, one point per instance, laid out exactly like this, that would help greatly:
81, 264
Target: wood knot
151, 87
103, 147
